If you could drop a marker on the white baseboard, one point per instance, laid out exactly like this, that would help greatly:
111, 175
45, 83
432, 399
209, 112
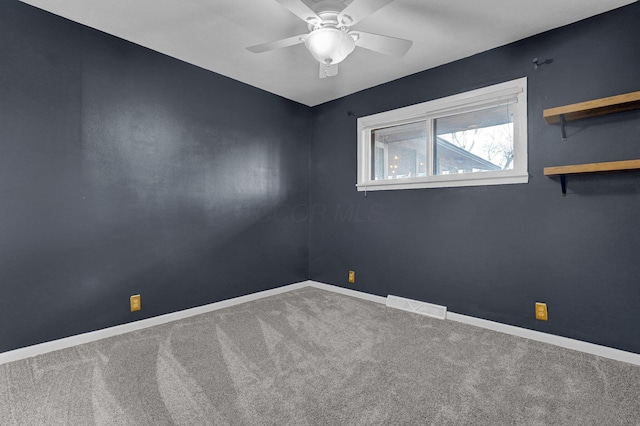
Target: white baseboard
565, 342
79, 339
67, 342
348, 292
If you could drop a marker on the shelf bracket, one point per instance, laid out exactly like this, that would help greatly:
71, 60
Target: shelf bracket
563, 184
562, 129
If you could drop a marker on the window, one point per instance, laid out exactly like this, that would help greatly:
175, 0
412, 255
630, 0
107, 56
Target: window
473, 138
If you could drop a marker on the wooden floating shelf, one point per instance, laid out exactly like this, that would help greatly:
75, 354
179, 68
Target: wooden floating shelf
596, 107
611, 166
612, 104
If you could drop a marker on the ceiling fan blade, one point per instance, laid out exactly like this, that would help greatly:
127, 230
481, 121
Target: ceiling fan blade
391, 46
328, 70
360, 9
278, 44
301, 10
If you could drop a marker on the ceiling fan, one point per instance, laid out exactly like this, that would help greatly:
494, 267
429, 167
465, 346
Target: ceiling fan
331, 39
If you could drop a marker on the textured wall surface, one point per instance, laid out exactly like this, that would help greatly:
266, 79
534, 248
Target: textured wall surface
123, 171
493, 251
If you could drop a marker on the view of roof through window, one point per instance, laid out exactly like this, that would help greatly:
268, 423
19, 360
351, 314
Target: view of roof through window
470, 142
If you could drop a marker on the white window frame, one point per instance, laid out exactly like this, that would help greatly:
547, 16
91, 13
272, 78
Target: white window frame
512, 91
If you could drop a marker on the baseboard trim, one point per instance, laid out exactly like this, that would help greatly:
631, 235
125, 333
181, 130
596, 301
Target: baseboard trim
577, 345
348, 292
565, 342
79, 339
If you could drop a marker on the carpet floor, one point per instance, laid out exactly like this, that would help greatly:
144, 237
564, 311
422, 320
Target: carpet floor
312, 357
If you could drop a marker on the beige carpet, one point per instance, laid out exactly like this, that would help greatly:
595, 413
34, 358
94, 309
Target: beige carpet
311, 357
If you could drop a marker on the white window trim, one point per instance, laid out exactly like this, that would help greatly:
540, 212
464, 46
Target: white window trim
515, 90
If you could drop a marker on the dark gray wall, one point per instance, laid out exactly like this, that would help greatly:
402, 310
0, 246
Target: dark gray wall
123, 171
493, 251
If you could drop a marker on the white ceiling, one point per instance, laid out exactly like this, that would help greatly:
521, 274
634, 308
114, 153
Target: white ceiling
213, 34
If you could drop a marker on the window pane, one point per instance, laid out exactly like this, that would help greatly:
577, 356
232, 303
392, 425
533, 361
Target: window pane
399, 152
476, 141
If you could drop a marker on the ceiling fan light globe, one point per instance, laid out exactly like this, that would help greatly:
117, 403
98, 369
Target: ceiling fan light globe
329, 45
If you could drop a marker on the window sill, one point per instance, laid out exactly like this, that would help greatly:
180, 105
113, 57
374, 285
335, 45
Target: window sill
445, 181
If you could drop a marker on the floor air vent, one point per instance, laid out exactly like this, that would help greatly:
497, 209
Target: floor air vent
417, 307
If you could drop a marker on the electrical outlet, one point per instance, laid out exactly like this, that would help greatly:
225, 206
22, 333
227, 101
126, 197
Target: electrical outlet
541, 311
352, 277
134, 301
